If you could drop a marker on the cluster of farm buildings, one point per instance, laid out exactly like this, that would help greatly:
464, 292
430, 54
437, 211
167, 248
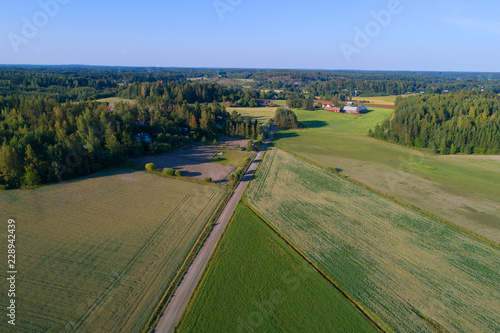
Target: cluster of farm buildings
350, 108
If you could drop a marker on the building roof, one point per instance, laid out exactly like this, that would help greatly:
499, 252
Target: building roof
355, 108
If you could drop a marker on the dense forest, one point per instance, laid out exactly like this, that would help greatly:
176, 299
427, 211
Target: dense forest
45, 140
465, 122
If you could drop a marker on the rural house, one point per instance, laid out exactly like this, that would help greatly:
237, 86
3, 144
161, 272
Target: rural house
144, 137
355, 109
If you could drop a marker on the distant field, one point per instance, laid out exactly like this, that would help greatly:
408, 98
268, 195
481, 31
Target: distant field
256, 282
96, 254
115, 100
388, 100
381, 100
412, 272
261, 114
230, 157
464, 190
280, 102
326, 121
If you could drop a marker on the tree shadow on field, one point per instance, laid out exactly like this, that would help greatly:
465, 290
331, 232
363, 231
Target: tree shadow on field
314, 123
282, 135
116, 171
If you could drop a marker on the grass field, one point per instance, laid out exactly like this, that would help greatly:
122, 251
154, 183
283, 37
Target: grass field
326, 121
381, 100
410, 271
231, 158
115, 100
261, 114
464, 190
257, 283
96, 254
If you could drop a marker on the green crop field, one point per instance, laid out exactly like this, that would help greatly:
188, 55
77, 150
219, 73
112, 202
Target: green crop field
115, 100
231, 158
257, 283
411, 272
326, 121
262, 115
96, 254
464, 190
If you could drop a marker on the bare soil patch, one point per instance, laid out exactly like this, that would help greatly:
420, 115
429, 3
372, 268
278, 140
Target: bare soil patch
233, 143
193, 162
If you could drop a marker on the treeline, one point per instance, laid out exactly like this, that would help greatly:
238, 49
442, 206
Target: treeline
201, 92
466, 122
327, 84
297, 103
76, 83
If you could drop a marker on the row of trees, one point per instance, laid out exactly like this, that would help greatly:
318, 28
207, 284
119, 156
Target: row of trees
297, 103
466, 122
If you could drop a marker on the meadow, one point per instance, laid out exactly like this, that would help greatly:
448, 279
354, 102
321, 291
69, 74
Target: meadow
413, 273
96, 254
261, 114
327, 121
464, 190
231, 158
115, 100
256, 282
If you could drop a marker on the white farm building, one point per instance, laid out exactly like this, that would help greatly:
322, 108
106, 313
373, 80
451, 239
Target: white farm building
355, 109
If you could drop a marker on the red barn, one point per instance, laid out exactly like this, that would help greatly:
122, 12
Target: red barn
333, 109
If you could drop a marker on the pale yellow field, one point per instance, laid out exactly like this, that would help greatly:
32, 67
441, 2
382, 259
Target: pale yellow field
381, 100
96, 254
261, 114
411, 272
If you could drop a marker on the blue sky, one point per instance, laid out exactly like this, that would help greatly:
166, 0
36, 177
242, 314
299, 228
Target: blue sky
434, 35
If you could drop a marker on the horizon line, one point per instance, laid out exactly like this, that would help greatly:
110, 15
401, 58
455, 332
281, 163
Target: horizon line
252, 68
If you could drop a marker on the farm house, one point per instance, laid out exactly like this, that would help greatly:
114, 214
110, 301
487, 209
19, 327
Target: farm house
355, 109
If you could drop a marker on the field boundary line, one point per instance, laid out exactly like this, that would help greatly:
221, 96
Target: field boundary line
169, 292
396, 200
330, 280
